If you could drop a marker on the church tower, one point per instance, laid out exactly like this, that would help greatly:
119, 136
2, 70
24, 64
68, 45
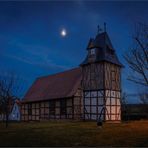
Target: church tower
101, 80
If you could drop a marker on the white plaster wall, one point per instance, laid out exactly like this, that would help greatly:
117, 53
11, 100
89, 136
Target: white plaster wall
15, 113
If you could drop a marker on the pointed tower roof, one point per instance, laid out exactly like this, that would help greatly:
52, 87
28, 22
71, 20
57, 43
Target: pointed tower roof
101, 41
104, 49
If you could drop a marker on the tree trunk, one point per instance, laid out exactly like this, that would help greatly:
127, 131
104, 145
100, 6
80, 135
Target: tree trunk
7, 116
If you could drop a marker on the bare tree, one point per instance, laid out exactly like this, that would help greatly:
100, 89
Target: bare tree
143, 96
10, 88
124, 98
137, 57
124, 106
1, 109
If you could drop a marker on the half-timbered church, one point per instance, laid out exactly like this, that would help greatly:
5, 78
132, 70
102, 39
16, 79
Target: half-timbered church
91, 91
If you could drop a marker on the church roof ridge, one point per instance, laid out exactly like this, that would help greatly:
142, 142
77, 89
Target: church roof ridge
101, 40
58, 73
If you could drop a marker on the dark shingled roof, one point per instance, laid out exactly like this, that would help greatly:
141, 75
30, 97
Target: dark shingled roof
60, 85
101, 43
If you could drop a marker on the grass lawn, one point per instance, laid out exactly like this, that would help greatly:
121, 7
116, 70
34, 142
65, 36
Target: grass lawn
60, 133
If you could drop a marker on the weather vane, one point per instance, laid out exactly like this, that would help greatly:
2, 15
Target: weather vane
99, 29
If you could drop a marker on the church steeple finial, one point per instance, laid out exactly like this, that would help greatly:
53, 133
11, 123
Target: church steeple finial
99, 29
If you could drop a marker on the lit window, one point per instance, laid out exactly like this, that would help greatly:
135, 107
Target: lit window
92, 51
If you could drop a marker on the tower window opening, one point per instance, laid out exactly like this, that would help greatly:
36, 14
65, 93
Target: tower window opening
92, 51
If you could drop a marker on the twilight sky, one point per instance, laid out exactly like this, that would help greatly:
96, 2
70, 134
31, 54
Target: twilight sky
31, 44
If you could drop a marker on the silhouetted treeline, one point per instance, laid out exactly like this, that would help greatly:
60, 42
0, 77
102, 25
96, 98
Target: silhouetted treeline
134, 111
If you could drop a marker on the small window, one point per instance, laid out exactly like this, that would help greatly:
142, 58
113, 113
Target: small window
63, 107
52, 107
92, 51
29, 109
